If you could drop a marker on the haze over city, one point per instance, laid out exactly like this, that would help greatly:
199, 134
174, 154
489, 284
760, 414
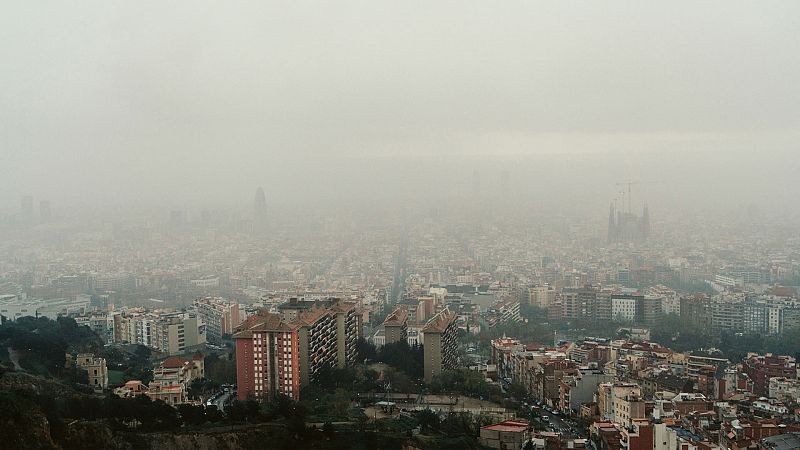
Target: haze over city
108, 103
415, 225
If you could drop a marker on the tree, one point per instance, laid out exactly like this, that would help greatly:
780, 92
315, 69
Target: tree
75, 375
296, 420
428, 420
160, 416
399, 381
213, 414
458, 424
409, 359
341, 402
517, 391
243, 411
220, 369
328, 430
365, 350
80, 338
141, 353
464, 381
202, 387
191, 414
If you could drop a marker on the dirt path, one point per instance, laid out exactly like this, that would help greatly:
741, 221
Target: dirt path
14, 357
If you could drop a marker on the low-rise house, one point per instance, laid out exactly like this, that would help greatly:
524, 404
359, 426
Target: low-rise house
507, 435
96, 368
131, 389
172, 377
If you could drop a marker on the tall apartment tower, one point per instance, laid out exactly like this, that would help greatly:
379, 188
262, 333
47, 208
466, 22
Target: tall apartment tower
275, 356
348, 324
267, 358
440, 346
396, 326
221, 316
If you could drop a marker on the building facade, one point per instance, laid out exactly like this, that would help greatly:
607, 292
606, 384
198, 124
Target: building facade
96, 368
396, 326
440, 346
278, 357
221, 316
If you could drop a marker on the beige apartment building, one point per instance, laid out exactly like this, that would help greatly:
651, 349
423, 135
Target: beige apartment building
396, 326
440, 345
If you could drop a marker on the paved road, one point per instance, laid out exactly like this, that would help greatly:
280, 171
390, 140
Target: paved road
560, 424
398, 282
220, 401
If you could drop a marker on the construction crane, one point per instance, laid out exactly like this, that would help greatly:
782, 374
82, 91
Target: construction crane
629, 184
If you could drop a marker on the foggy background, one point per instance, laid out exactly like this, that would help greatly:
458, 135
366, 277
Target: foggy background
195, 104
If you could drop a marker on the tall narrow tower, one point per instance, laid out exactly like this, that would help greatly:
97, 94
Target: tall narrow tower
612, 225
260, 207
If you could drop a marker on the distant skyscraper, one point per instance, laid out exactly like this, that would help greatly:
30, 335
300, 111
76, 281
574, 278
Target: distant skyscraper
260, 206
44, 211
645, 222
27, 209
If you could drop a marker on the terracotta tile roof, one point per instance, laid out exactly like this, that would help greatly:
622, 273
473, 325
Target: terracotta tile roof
783, 291
174, 362
439, 322
508, 425
342, 306
261, 322
397, 317
309, 317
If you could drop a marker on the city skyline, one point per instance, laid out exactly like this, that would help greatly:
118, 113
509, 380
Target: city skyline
430, 225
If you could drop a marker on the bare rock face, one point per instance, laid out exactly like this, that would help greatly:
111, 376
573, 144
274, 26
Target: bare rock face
24, 427
89, 435
246, 438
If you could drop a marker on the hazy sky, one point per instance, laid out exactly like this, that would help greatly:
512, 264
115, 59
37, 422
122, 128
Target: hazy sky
195, 102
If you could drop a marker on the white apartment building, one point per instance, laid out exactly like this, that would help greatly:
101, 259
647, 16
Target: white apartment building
623, 309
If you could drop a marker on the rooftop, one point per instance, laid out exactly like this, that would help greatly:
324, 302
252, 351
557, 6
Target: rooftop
508, 425
439, 322
174, 362
397, 317
260, 322
788, 441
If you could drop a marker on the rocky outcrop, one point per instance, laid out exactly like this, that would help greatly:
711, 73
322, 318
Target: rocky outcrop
24, 426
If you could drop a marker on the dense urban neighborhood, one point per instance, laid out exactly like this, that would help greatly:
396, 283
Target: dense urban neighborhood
400, 225
420, 335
